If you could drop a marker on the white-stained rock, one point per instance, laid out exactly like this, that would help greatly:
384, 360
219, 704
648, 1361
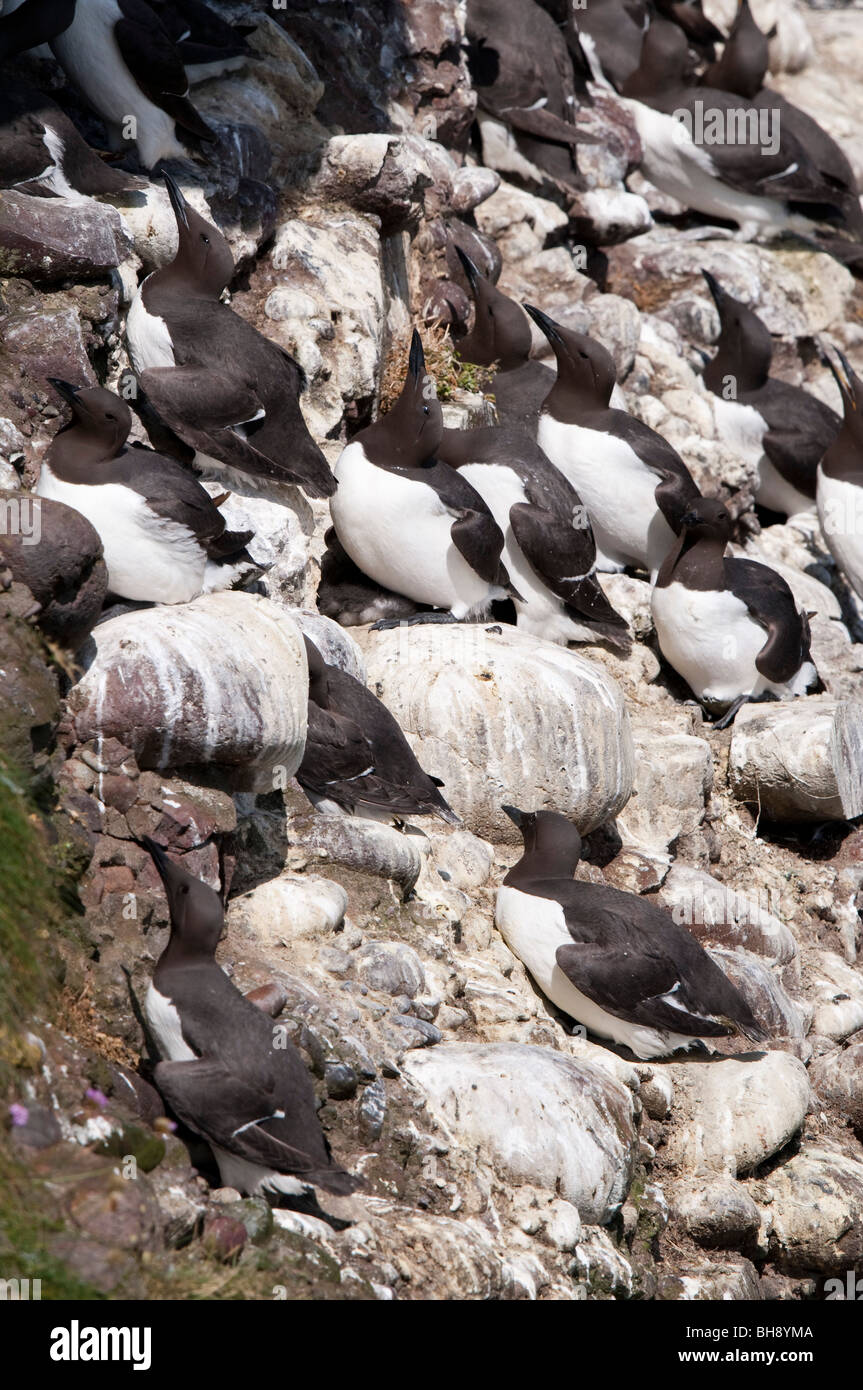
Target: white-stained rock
835, 990
838, 1077
280, 544
773, 1007
716, 913
504, 717
815, 1209
801, 760
391, 967
290, 907
536, 1116
367, 845
733, 1113
219, 682
461, 859
327, 309
335, 645
673, 778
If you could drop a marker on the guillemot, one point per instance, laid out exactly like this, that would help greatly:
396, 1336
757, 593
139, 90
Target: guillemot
412, 523
731, 628
549, 550
723, 156
633, 483
743, 64
42, 152
782, 426
224, 1071
29, 24
222, 387
119, 56
164, 539
614, 962
357, 760
501, 336
840, 479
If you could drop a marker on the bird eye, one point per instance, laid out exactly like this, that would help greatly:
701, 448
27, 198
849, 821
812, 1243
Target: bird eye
109, 416
425, 410
205, 239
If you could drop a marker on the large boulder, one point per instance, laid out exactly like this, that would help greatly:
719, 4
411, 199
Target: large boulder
504, 717
538, 1116
800, 761
57, 553
220, 682
732, 1113
813, 1205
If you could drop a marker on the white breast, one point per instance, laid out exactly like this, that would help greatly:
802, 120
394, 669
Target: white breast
710, 640
399, 533
90, 55
148, 558
840, 511
539, 611
533, 929
147, 337
617, 490
163, 1021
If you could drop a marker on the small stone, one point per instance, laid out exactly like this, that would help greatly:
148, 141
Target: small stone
341, 1080
224, 1238
372, 1111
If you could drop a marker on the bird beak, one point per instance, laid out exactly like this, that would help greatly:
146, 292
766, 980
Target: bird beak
158, 855
417, 360
842, 373
545, 324
64, 389
715, 288
178, 202
515, 815
470, 270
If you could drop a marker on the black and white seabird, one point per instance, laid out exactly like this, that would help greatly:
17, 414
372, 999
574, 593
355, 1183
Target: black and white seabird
634, 485
411, 523
163, 536
745, 57
119, 56
501, 336
41, 151
223, 1072
207, 44
357, 760
610, 33
616, 963
549, 550
731, 628
723, 156
525, 83
222, 387
783, 427
840, 479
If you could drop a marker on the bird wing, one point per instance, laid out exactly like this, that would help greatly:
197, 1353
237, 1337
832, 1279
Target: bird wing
655, 974
175, 495
154, 62
795, 457
337, 751
772, 604
563, 557
475, 533
229, 1111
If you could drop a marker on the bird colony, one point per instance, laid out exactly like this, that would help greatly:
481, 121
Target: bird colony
431, 576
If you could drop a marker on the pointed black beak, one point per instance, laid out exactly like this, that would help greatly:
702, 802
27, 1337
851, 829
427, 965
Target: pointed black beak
473, 275
515, 815
843, 374
158, 855
64, 389
417, 359
715, 288
544, 323
178, 202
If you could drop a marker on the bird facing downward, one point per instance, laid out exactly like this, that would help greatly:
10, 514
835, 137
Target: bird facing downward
611, 960
224, 1071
